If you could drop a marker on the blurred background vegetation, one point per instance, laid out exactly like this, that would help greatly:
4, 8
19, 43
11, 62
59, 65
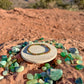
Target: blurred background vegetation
42, 4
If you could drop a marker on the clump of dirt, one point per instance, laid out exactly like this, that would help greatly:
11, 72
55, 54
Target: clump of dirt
20, 25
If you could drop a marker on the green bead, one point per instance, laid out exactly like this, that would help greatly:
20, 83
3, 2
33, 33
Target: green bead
63, 54
79, 61
37, 76
4, 58
41, 39
67, 59
79, 67
46, 83
59, 61
47, 65
44, 68
29, 76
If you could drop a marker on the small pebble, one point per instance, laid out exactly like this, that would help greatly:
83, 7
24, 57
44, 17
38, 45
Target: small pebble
1, 77
20, 69
5, 73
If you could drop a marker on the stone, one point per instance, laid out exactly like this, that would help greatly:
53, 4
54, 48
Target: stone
9, 59
37, 76
1, 77
12, 68
29, 76
46, 83
67, 59
43, 74
77, 56
79, 67
33, 81
79, 61
41, 81
20, 69
63, 54
16, 64
68, 62
79, 81
50, 81
30, 42
10, 52
41, 53
15, 49
55, 74
59, 45
5, 73
46, 79
3, 63
70, 56
47, 65
44, 68
4, 58
73, 50
41, 38
59, 61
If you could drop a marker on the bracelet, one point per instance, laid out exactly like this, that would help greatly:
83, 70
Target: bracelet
38, 53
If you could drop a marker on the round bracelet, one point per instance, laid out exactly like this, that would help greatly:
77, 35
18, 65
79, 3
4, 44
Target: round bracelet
38, 53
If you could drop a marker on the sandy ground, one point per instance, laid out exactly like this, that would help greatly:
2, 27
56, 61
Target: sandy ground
20, 25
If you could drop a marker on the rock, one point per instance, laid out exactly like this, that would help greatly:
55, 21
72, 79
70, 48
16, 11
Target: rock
44, 68
73, 50
1, 77
43, 74
37, 76
78, 81
20, 69
41, 81
33, 81
3, 63
50, 81
47, 65
79, 67
4, 58
79, 61
29, 76
59, 61
16, 64
15, 49
9, 59
59, 45
68, 62
55, 74
63, 54
5, 73
67, 59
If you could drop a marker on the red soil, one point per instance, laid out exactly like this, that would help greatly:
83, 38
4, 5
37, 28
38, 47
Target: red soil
19, 25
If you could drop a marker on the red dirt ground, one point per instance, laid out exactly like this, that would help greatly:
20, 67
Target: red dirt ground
19, 25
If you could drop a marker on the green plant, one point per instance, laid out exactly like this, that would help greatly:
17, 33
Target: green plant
5, 4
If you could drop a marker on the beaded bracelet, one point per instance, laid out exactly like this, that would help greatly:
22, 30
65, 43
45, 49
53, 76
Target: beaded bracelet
38, 53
